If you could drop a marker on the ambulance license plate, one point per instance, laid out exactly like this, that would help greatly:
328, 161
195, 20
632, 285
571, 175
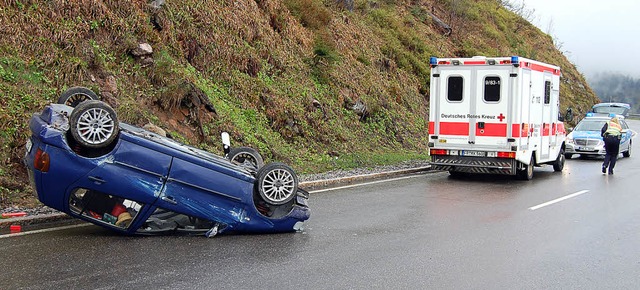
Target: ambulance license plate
474, 153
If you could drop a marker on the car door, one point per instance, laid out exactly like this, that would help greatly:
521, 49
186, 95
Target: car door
131, 177
206, 190
625, 141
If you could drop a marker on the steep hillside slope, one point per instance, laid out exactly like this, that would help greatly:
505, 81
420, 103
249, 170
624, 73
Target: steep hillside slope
318, 84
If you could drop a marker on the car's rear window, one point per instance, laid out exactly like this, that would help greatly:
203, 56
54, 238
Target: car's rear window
611, 109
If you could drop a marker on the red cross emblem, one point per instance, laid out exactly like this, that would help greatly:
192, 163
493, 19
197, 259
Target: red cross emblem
501, 117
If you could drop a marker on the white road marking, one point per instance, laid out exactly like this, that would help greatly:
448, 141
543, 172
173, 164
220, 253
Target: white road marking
43, 231
362, 184
558, 199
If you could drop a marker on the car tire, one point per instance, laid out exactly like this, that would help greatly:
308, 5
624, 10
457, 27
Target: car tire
527, 172
244, 155
76, 95
94, 124
277, 183
568, 155
628, 152
558, 165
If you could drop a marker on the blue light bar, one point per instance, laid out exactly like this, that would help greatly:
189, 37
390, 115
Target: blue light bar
589, 114
433, 60
515, 60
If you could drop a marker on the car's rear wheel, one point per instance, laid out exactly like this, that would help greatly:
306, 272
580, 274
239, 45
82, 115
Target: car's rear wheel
277, 183
76, 95
628, 152
94, 124
568, 155
558, 165
246, 155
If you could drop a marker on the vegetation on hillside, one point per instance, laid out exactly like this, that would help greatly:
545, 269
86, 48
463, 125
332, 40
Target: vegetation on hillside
317, 84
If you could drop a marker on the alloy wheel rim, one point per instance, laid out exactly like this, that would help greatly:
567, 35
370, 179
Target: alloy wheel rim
278, 185
76, 99
95, 126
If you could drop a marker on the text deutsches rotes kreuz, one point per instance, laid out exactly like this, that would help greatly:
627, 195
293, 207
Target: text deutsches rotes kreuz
467, 116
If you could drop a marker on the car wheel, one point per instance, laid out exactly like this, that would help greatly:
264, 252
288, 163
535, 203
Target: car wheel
94, 124
568, 155
628, 152
76, 95
558, 165
246, 155
527, 172
277, 183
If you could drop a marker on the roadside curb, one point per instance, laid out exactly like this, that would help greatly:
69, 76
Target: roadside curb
325, 183
30, 220
308, 185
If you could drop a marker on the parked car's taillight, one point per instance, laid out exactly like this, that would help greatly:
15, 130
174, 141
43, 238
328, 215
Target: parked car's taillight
42, 160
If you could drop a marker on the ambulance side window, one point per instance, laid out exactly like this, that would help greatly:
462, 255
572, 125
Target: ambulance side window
547, 92
492, 89
454, 88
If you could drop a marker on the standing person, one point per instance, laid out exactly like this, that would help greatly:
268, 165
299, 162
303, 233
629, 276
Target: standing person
611, 132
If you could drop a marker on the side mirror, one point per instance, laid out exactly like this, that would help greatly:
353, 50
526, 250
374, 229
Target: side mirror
226, 142
625, 131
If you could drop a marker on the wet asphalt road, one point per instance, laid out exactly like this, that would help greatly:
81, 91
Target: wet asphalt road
425, 231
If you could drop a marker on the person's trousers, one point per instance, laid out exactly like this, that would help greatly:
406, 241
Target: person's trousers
612, 146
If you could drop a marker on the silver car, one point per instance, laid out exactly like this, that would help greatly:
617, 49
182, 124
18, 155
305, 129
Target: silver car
585, 138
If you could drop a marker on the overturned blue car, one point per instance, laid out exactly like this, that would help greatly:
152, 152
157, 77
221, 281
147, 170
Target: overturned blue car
82, 161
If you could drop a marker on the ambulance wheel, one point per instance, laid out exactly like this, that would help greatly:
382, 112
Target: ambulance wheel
527, 172
558, 165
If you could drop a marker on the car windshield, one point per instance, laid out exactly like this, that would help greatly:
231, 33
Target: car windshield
590, 125
610, 109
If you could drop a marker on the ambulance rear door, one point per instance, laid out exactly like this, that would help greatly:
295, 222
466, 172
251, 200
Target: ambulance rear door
452, 87
491, 109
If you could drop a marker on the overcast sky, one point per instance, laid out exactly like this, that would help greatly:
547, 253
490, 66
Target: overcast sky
596, 35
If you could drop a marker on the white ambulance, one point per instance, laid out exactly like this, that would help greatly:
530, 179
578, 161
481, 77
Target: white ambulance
496, 115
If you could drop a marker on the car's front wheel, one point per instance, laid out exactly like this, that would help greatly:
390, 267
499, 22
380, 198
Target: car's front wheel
628, 152
76, 95
94, 124
246, 155
277, 183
